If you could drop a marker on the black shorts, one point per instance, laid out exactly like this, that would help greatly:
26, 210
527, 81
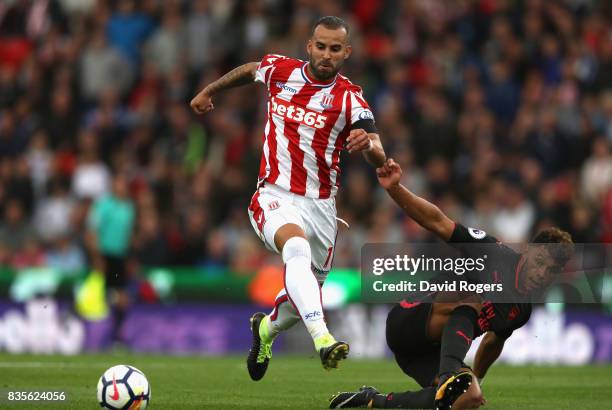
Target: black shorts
115, 272
406, 331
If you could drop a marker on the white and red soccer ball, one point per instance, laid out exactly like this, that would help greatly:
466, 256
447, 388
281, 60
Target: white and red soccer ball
124, 387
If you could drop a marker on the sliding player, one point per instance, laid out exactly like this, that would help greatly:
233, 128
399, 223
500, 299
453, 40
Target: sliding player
313, 113
430, 340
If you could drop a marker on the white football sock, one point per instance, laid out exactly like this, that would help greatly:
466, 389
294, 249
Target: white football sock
302, 286
283, 316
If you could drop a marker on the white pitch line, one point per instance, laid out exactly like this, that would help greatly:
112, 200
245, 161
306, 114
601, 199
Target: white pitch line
11, 365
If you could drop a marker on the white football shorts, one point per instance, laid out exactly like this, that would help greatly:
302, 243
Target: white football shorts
272, 207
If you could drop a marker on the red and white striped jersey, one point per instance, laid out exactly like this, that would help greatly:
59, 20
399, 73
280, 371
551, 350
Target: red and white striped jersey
308, 123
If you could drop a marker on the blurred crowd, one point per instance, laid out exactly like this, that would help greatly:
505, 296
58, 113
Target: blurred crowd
498, 111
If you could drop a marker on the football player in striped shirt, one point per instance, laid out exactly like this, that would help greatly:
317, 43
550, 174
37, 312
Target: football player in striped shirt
314, 113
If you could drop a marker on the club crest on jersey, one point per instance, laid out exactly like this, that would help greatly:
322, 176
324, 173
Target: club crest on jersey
273, 205
327, 101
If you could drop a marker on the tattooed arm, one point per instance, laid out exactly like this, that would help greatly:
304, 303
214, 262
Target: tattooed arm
242, 75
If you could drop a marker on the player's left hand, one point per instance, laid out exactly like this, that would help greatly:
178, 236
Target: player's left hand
358, 140
473, 398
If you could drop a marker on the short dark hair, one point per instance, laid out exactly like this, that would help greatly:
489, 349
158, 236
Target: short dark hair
332, 22
561, 254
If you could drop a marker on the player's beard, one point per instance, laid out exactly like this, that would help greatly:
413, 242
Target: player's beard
324, 75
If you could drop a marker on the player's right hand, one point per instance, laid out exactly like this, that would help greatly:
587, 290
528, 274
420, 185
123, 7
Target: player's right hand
389, 174
202, 103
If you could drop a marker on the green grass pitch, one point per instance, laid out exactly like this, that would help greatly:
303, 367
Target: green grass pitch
291, 382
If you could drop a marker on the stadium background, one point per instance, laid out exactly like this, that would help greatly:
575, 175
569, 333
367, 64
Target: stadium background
499, 111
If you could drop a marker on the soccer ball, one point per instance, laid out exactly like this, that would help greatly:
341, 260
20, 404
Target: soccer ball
124, 387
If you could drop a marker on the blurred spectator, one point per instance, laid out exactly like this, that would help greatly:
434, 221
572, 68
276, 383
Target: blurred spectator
582, 224
52, 219
358, 198
101, 67
128, 28
435, 133
515, 216
28, 255
194, 236
91, 176
199, 36
9, 144
165, 47
183, 144
18, 184
65, 256
596, 178
59, 119
502, 92
248, 254
216, 252
255, 27
9, 87
109, 122
150, 246
15, 230
548, 145
40, 161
